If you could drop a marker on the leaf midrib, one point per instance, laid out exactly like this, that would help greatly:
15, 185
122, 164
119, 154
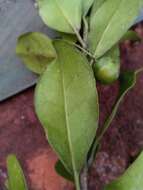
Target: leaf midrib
67, 120
68, 21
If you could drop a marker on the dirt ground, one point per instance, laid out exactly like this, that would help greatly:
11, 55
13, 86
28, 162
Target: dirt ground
22, 134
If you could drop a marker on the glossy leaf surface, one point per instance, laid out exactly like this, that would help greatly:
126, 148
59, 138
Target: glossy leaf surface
61, 15
16, 179
67, 105
132, 179
110, 22
36, 50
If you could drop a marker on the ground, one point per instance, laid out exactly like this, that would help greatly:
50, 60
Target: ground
22, 134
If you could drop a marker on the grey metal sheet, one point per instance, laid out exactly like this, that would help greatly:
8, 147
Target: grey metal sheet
16, 17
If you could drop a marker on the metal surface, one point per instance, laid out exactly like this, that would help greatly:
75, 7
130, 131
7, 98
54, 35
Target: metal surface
16, 17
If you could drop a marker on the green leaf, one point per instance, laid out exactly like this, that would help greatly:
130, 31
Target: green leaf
63, 16
66, 103
132, 179
96, 5
130, 35
36, 50
86, 5
110, 22
127, 82
61, 170
16, 179
68, 37
107, 68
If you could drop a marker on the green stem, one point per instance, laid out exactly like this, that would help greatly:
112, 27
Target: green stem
80, 39
77, 181
84, 50
85, 33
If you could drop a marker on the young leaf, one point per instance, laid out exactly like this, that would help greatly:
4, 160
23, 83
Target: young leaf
63, 16
86, 5
66, 103
61, 170
127, 82
36, 50
110, 22
132, 179
16, 179
107, 68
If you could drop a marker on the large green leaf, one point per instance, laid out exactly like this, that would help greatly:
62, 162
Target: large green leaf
110, 22
16, 179
66, 103
61, 15
132, 179
86, 5
36, 50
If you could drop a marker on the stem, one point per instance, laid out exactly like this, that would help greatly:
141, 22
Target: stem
84, 178
85, 33
77, 181
84, 50
80, 39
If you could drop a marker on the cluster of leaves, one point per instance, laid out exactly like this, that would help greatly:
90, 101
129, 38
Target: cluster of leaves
66, 98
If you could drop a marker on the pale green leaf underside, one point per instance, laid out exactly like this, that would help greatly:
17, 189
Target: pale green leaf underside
16, 179
132, 179
67, 105
96, 5
61, 15
86, 5
36, 50
110, 22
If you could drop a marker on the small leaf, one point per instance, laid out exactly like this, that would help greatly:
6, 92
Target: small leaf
107, 68
132, 179
86, 5
16, 179
130, 35
127, 82
66, 103
36, 50
110, 22
60, 169
63, 16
